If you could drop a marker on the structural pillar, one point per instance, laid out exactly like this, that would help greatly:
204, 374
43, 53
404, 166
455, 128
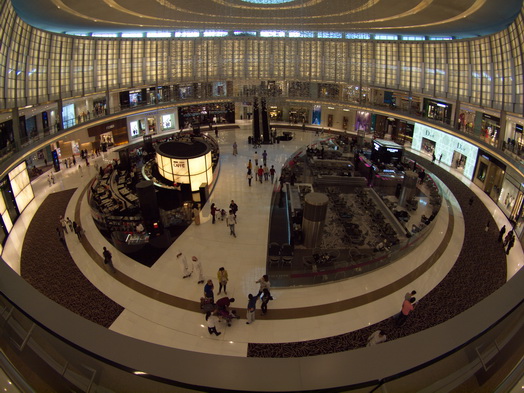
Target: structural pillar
409, 188
314, 217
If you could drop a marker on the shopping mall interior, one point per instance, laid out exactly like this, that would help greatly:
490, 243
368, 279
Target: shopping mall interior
363, 150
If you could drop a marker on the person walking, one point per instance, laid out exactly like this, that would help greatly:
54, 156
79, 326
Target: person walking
422, 176
266, 173
49, 180
501, 233
266, 297
213, 212
181, 258
264, 157
508, 238
230, 222
63, 224
251, 307
52, 178
212, 321
233, 206
235, 148
249, 165
255, 157
272, 172
61, 237
197, 268
264, 283
510, 244
222, 280
249, 177
69, 224
108, 260
77, 228
260, 173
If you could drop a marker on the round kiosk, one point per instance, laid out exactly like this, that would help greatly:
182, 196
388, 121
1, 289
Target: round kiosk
185, 163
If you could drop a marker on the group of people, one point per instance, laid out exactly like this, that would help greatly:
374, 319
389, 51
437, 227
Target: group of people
196, 267
65, 224
262, 172
219, 309
215, 311
231, 218
408, 306
509, 240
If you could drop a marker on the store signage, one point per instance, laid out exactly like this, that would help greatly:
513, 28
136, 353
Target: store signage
429, 133
392, 150
179, 164
461, 147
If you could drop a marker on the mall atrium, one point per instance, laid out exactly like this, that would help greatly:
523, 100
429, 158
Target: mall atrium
91, 90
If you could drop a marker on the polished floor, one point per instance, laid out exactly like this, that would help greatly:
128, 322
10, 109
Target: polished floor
152, 319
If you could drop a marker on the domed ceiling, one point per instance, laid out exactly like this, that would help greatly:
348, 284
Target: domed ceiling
462, 18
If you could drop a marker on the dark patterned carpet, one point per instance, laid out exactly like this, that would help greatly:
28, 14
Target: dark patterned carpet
47, 265
479, 270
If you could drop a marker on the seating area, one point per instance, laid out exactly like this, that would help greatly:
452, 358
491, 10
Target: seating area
115, 201
280, 255
364, 226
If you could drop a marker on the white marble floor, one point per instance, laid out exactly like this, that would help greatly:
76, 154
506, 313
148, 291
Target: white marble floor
244, 258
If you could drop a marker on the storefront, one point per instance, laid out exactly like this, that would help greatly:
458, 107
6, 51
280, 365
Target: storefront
212, 113
489, 174
511, 201
133, 98
363, 121
404, 133
490, 130
437, 110
114, 132
466, 120
408, 103
514, 140
448, 149
355, 94
298, 115
327, 90
275, 113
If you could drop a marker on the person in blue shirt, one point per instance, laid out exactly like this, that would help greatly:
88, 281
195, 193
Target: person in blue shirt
208, 290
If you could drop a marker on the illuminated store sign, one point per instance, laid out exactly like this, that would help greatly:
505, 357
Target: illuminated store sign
21, 186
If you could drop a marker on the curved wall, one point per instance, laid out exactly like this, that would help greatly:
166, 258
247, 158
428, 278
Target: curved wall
39, 66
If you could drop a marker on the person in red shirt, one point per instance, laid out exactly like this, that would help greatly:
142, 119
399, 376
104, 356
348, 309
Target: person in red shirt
260, 174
